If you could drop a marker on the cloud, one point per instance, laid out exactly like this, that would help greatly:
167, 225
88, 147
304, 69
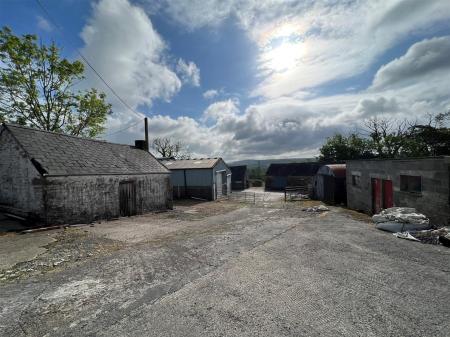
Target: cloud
123, 46
323, 42
422, 58
188, 72
43, 24
304, 44
371, 107
209, 94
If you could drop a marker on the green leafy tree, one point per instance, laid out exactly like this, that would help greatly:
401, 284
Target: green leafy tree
340, 148
37, 89
385, 138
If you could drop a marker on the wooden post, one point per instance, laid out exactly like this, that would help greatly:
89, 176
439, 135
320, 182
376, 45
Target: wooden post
147, 147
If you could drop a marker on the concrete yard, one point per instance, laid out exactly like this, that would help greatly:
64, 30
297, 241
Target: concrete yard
226, 269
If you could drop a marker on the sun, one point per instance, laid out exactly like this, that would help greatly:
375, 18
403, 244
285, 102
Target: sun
283, 48
283, 57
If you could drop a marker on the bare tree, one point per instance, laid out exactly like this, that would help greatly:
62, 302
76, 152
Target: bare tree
168, 148
387, 135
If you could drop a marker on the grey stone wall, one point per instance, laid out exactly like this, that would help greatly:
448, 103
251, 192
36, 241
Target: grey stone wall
20, 182
67, 200
434, 201
82, 199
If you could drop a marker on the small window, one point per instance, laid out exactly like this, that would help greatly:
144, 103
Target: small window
411, 184
356, 180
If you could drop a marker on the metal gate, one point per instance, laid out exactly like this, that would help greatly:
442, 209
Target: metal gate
127, 198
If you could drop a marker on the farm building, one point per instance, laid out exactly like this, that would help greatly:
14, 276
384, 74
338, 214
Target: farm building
239, 177
422, 183
204, 178
59, 179
279, 176
330, 185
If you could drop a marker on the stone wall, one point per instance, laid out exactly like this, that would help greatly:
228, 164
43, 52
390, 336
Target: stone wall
433, 201
82, 199
20, 183
75, 199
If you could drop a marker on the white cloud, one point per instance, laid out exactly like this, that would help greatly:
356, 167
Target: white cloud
123, 46
422, 58
324, 41
43, 24
189, 72
209, 94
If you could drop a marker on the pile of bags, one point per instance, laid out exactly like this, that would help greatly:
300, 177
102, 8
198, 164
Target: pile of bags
407, 223
401, 219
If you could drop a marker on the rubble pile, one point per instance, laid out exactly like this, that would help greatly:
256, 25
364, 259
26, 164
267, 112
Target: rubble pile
316, 209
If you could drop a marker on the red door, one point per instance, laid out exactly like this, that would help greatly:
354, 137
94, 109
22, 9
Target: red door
376, 196
388, 194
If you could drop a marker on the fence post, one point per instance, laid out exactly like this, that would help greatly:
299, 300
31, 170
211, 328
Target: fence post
285, 195
254, 198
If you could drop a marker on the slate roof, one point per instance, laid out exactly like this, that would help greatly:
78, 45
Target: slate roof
58, 154
293, 169
187, 164
238, 172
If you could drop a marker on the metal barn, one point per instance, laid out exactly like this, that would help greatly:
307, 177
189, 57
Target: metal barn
239, 177
330, 185
52, 178
204, 178
280, 176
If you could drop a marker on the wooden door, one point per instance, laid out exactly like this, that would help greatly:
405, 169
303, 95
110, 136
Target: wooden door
127, 198
388, 194
376, 196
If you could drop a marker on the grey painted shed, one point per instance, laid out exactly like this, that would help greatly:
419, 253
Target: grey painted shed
329, 184
205, 178
59, 179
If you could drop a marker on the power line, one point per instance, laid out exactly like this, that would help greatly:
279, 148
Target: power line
53, 22
124, 129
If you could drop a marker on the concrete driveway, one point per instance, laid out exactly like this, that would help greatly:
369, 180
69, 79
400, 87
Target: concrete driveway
245, 271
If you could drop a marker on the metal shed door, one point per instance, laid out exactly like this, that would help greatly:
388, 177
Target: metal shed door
127, 198
219, 184
376, 196
388, 194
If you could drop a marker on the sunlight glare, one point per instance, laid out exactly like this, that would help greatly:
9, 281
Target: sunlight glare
284, 57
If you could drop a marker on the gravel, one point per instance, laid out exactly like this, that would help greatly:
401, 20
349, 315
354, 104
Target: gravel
246, 272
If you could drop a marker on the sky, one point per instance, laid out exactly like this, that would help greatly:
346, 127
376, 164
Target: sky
251, 79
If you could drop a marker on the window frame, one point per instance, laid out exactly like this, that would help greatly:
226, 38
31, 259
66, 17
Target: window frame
407, 179
356, 180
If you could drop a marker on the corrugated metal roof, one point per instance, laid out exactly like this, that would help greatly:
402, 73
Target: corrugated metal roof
188, 164
293, 169
338, 170
60, 154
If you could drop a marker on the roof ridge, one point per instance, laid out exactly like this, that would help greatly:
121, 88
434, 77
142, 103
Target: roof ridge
62, 134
